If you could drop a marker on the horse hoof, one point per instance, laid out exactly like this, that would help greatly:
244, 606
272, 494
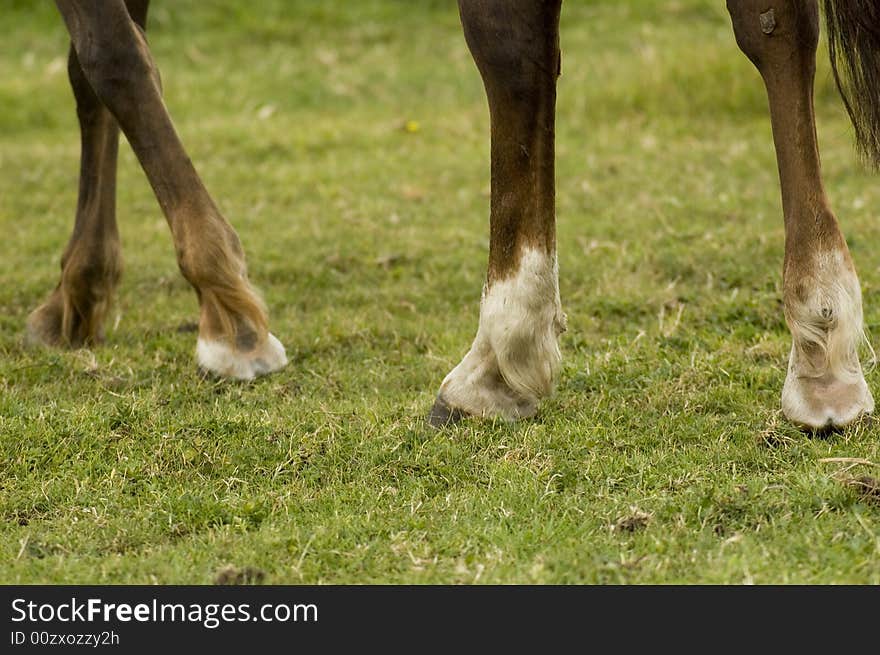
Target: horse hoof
220, 359
44, 326
825, 403
442, 414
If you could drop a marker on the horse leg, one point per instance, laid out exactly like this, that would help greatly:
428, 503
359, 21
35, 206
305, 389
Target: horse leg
91, 264
116, 62
515, 356
822, 299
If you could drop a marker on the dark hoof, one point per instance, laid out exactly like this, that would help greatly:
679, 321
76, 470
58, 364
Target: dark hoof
45, 327
442, 414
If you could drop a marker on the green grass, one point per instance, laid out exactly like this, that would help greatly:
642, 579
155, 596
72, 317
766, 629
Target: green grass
120, 465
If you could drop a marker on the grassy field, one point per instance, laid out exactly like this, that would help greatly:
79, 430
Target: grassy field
663, 456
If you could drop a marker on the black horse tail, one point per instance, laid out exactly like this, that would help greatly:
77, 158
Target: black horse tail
854, 45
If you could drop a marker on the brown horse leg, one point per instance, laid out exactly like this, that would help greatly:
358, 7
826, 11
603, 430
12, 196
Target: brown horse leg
116, 61
91, 264
825, 386
515, 356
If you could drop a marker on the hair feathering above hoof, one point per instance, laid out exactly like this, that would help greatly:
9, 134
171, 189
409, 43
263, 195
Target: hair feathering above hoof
515, 358
828, 326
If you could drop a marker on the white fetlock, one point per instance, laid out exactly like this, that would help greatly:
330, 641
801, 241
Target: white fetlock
221, 359
515, 356
825, 386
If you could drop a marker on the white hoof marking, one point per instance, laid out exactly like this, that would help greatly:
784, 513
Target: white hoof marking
515, 356
825, 401
825, 385
221, 359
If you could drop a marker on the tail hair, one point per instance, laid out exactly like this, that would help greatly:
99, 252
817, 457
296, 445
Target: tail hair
854, 45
